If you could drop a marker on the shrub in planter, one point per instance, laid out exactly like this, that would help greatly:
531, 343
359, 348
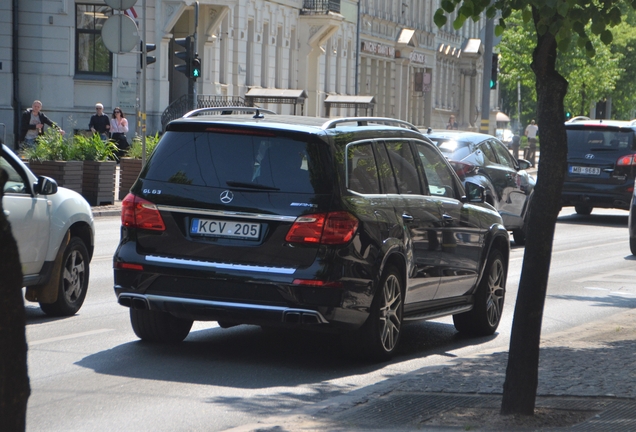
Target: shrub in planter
100, 168
130, 165
55, 156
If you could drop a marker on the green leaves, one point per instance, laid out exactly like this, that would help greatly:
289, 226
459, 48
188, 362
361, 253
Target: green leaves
439, 18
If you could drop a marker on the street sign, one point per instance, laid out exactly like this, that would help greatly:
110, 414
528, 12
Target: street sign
120, 34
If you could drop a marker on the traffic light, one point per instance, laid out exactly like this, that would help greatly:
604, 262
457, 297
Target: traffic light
149, 59
195, 70
493, 71
187, 55
568, 115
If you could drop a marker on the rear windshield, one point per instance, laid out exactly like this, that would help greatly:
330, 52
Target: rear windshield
605, 140
253, 161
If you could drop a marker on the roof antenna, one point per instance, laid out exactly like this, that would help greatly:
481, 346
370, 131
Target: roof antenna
429, 130
258, 114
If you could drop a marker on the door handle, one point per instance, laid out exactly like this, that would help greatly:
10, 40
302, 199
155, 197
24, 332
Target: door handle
448, 219
6, 213
407, 217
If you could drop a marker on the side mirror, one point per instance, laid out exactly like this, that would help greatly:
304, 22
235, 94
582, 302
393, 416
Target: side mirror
45, 186
523, 164
474, 193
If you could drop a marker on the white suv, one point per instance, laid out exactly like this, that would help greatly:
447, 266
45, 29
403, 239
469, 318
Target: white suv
54, 230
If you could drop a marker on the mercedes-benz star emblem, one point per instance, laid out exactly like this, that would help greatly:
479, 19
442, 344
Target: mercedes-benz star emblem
589, 156
227, 196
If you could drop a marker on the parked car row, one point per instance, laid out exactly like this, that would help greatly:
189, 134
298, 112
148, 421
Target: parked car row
484, 160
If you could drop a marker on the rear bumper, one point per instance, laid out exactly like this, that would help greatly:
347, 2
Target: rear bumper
600, 196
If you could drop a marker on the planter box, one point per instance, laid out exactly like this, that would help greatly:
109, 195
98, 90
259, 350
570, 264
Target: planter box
98, 184
67, 174
129, 170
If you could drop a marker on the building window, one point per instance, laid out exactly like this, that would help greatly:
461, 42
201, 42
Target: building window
91, 55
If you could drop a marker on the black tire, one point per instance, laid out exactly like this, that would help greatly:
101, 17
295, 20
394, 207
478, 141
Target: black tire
583, 210
485, 316
378, 338
632, 245
158, 326
73, 282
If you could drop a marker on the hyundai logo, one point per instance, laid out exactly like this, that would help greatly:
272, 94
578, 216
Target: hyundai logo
227, 196
589, 156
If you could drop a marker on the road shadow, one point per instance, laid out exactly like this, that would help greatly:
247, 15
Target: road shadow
608, 220
248, 357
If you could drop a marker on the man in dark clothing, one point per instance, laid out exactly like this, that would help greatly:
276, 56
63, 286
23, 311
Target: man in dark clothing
100, 122
32, 124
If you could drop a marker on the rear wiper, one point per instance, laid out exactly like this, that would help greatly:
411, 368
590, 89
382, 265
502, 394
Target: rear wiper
250, 185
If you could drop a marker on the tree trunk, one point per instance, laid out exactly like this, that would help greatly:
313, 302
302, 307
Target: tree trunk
520, 386
14, 379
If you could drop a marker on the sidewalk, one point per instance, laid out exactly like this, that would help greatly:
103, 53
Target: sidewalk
588, 371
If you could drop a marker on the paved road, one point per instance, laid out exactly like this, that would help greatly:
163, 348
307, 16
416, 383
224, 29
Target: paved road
89, 372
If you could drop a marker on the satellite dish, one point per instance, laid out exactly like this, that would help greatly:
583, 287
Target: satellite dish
120, 34
121, 4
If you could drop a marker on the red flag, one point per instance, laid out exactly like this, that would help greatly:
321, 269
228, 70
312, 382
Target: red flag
131, 13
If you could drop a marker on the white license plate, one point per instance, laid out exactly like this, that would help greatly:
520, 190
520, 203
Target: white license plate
585, 170
223, 228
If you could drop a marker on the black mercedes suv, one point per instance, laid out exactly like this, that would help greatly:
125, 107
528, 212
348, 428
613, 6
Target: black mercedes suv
601, 164
349, 225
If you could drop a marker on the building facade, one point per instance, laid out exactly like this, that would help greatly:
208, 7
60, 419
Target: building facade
368, 57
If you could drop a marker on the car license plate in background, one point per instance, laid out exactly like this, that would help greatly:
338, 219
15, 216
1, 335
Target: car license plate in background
585, 170
223, 228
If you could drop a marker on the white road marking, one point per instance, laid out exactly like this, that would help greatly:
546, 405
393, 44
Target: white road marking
70, 336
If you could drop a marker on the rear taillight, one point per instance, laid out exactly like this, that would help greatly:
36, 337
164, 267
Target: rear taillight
139, 213
127, 266
323, 228
463, 169
627, 160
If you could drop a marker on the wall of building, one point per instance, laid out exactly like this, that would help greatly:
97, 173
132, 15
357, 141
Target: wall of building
389, 50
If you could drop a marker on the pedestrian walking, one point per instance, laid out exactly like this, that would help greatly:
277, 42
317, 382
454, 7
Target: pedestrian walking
119, 129
99, 122
532, 130
32, 124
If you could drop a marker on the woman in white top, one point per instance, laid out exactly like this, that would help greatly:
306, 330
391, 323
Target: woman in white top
118, 130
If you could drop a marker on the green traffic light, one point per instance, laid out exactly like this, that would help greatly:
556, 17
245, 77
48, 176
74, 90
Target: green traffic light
195, 73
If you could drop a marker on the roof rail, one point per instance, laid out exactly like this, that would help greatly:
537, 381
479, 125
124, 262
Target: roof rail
364, 121
578, 118
228, 110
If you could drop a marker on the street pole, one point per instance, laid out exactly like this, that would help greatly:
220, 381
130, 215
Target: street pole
143, 84
196, 50
519, 106
485, 98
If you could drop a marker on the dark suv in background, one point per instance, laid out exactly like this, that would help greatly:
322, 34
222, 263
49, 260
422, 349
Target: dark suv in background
601, 164
350, 226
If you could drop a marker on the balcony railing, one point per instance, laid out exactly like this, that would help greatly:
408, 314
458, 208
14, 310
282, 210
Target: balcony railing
320, 7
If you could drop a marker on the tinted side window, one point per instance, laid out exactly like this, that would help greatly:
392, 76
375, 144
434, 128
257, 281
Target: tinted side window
362, 169
236, 160
15, 183
404, 166
387, 179
438, 174
487, 151
505, 158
